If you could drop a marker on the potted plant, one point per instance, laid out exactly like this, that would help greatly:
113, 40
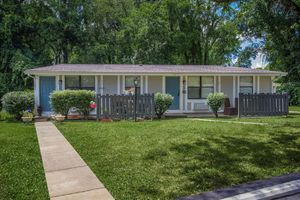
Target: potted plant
73, 113
93, 105
27, 116
60, 118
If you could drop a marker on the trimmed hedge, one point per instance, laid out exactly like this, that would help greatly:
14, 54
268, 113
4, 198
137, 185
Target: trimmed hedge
215, 101
15, 103
62, 101
162, 103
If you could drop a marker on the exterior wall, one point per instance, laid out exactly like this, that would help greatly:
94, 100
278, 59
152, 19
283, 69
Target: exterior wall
227, 87
154, 84
113, 84
110, 85
265, 84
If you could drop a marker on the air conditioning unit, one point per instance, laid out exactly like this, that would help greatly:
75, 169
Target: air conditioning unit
200, 106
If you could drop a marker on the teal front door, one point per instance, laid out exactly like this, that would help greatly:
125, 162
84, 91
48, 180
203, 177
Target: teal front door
173, 88
47, 85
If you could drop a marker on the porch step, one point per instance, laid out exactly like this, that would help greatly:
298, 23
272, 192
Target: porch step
41, 119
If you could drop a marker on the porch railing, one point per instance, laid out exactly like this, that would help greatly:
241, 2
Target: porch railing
262, 104
125, 106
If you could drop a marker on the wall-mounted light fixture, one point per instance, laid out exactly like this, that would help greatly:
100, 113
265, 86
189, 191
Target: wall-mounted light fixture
184, 83
60, 84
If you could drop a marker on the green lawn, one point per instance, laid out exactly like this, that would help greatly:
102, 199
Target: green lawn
177, 157
21, 170
294, 108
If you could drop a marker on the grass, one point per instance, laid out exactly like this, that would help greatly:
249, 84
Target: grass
177, 157
294, 108
21, 172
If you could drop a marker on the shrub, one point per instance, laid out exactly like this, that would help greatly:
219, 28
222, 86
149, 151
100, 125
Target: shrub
162, 103
62, 101
215, 101
4, 116
82, 100
16, 102
293, 89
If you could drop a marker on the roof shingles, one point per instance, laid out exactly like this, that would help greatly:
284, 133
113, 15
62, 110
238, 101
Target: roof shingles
145, 69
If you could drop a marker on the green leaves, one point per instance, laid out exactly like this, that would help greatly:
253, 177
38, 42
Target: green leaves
15, 103
215, 101
162, 103
62, 101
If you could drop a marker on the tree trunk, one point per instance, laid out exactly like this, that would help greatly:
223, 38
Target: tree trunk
66, 56
216, 114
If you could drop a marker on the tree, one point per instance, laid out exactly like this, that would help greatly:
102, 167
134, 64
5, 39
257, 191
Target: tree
277, 23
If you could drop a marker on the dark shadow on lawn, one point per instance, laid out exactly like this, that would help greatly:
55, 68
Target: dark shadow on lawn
224, 161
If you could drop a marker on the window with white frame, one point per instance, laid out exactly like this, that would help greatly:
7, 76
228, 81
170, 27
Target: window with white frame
200, 86
246, 84
129, 84
80, 82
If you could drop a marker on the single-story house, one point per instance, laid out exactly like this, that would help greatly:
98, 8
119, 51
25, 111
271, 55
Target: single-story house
188, 84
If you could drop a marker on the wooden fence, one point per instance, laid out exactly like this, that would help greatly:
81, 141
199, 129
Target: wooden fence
262, 104
125, 106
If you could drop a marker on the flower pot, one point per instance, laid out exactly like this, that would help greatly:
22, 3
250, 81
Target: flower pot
52, 117
74, 117
106, 120
27, 119
60, 118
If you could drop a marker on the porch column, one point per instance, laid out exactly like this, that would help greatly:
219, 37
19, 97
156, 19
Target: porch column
273, 86
96, 85
186, 93
63, 78
146, 84
101, 85
233, 90
142, 84
181, 93
219, 83
215, 84
123, 84
164, 84
57, 82
254, 84
238, 85
258, 84
36, 92
118, 86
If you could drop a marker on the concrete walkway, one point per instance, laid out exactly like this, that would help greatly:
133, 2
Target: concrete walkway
67, 175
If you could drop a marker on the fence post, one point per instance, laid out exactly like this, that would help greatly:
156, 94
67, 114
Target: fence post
98, 107
135, 99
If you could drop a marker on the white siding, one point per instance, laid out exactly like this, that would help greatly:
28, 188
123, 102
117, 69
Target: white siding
265, 84
154, 84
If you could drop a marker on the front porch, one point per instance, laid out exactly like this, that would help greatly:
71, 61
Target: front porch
189, 90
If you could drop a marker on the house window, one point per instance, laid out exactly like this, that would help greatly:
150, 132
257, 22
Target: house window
200, 87
246, 84
129, 84
80, 82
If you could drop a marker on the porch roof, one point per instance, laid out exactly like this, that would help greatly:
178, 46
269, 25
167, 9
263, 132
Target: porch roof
146, 69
